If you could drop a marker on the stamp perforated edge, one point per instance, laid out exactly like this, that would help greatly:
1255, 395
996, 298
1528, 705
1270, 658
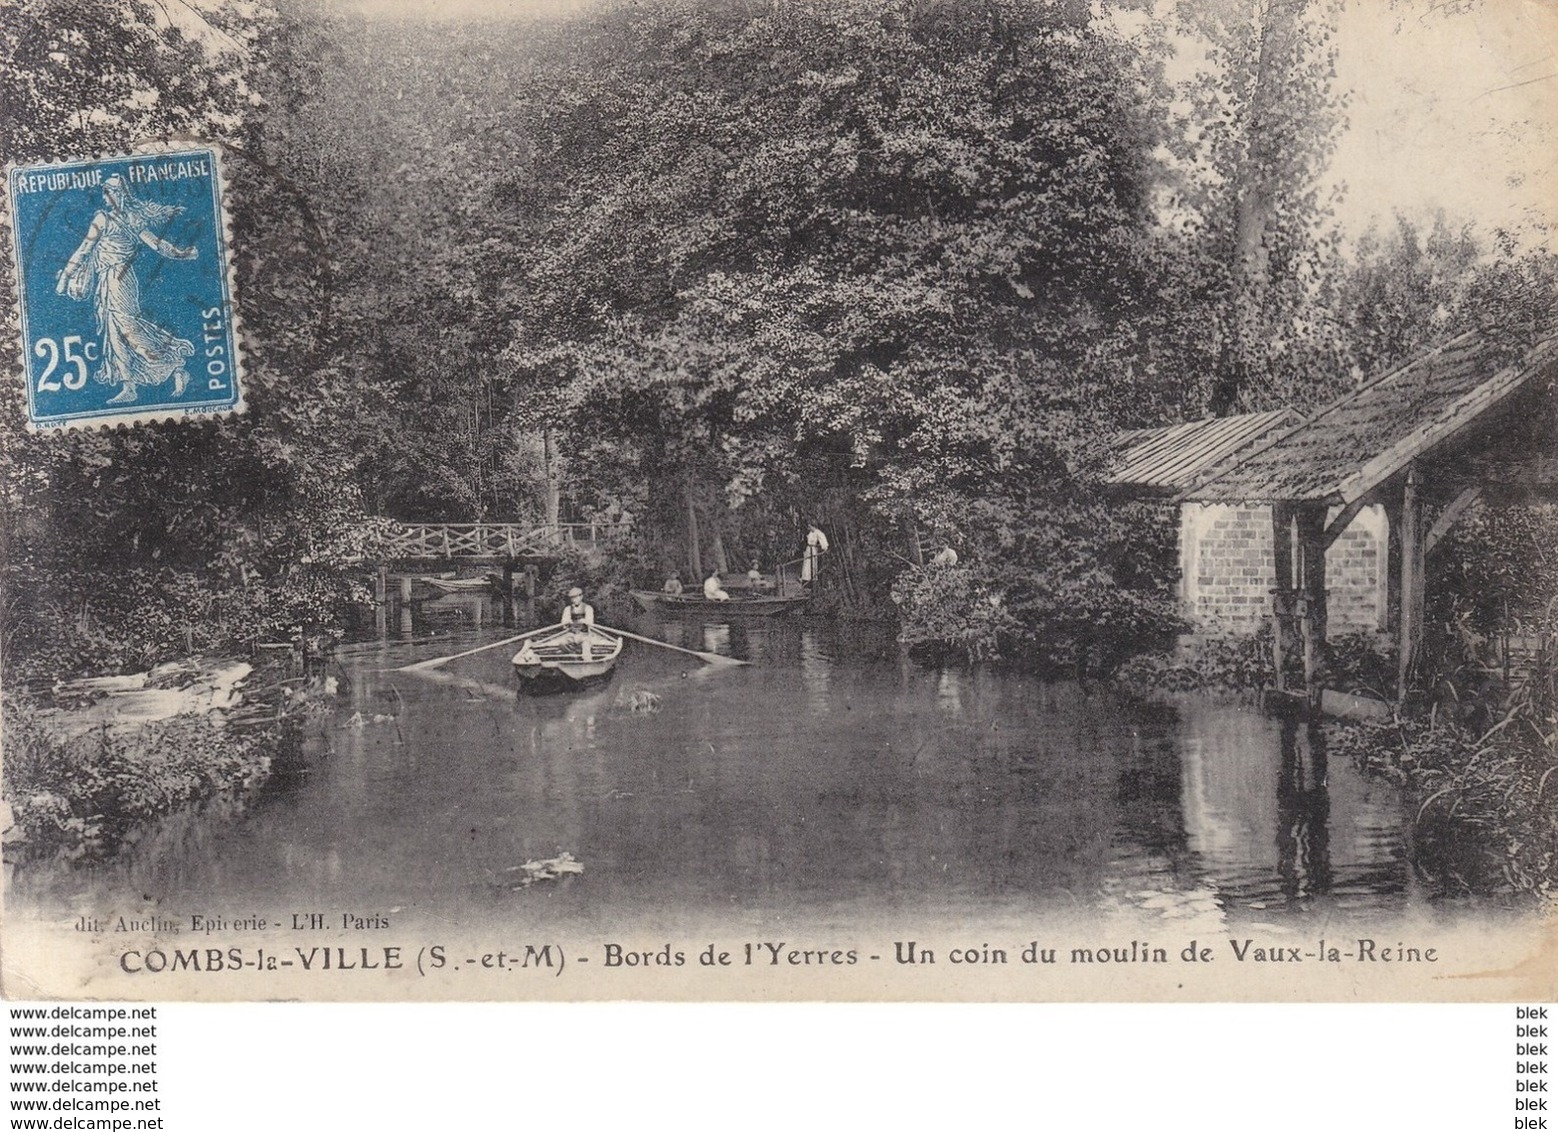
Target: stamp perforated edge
162, 413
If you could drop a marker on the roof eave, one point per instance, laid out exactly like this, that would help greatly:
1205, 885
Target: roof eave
1466, 411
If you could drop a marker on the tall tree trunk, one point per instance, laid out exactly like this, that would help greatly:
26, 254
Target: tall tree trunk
554, 479
478, 466
911, 527
1258, 184
1256, 187
721, 561
846, 556
694, 551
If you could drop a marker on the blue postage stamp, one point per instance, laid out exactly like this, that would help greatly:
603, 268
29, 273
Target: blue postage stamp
125, 289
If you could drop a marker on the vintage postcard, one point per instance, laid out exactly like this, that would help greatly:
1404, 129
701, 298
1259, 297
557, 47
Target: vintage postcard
983, 500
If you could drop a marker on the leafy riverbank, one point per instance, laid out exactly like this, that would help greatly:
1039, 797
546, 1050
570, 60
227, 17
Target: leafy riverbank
82, 779
1486, 805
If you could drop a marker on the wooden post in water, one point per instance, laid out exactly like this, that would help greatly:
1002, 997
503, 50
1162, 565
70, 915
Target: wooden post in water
508, 593
405, 605
1311, 543
1413, 593
381, 602
1282, 588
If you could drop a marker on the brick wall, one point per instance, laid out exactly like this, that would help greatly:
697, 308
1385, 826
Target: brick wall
1227, 569
1355, 573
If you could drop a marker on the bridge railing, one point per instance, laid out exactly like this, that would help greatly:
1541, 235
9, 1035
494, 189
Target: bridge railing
488, 540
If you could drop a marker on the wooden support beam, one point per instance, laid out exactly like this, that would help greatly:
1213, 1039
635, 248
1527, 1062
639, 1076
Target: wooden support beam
1449, 516
1311, 530
1282, 591
1413, 594
1392, 504
1344, 518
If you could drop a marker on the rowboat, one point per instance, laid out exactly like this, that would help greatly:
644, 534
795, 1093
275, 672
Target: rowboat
652, 601
562, 658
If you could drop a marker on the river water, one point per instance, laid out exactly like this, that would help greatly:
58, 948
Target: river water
831, 782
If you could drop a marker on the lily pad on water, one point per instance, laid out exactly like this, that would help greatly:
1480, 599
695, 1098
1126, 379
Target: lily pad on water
359, 720
641, 701
551, 868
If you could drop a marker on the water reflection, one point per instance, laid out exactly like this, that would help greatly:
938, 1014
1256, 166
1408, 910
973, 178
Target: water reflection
829, 778
716, 638
1266, 820
430, 613
816, 667
1303, 811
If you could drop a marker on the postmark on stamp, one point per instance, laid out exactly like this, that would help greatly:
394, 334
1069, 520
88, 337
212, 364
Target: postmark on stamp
125, 289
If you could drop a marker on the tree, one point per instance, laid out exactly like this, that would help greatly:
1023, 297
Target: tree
1263, 126
125, 546
914, 238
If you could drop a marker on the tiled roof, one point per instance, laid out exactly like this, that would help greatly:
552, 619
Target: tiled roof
1362, 439
1168, 459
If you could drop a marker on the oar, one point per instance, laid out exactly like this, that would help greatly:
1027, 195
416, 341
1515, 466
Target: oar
706, 657
436, 661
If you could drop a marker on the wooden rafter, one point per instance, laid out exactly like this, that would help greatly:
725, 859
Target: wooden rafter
1343, 520
1450, 516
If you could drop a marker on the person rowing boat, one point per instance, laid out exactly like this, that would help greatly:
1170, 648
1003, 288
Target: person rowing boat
579, 619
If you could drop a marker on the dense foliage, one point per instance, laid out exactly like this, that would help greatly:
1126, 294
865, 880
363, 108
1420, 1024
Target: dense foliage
82, 796
1485, 819
126, 547
894, 267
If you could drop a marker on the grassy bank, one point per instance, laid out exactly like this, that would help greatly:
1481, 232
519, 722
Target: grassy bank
83, 794
1486, 806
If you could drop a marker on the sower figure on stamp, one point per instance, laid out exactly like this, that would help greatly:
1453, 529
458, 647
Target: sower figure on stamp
135, 350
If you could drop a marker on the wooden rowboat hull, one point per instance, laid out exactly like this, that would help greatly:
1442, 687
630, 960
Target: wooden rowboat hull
652, 602
546, 680
556, 662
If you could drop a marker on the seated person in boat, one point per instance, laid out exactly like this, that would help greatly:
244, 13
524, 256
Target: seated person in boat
579, 617
756, 580
673, 585
712, 590
576, 614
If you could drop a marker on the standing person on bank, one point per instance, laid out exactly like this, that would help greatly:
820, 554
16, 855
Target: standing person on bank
816, 547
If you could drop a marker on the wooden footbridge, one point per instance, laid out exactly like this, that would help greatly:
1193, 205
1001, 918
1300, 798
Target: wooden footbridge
407, 550
487, 542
